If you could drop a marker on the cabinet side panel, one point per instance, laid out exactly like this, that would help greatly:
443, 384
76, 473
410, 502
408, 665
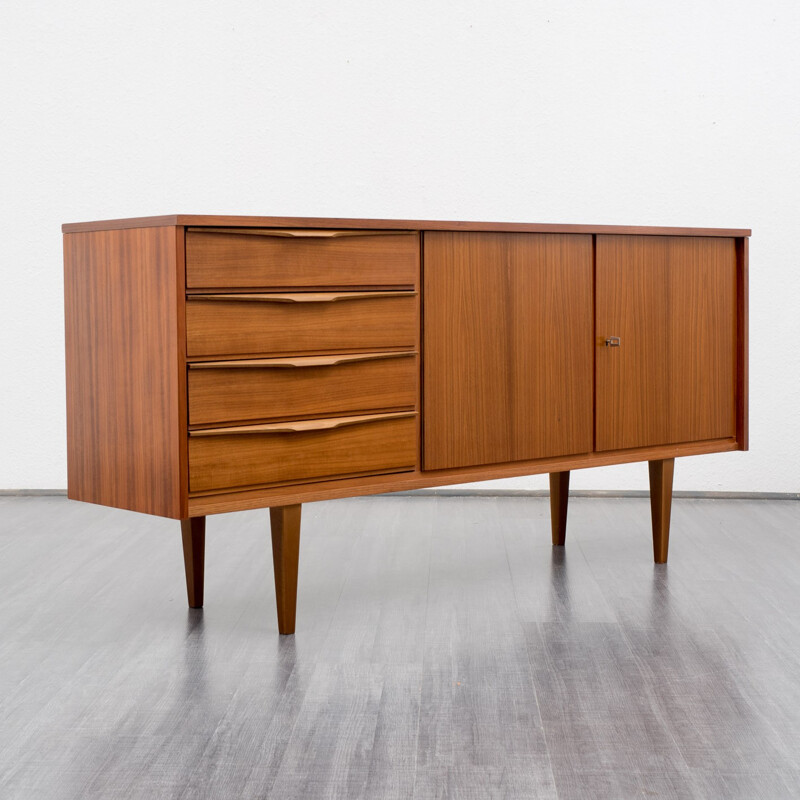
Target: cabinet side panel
742, 335
123, 389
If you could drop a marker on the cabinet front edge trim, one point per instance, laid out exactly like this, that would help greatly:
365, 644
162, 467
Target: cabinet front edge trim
354, 487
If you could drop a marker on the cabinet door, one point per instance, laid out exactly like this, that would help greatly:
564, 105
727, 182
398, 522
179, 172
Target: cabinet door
507, 347
671, 301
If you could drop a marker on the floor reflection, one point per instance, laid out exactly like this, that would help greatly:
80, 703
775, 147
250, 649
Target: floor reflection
656, 689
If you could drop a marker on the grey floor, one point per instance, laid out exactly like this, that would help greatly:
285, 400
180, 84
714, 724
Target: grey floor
444, 650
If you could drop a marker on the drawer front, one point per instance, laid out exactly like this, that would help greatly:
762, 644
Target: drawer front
219, 325
252, 257
262, 455
283, 388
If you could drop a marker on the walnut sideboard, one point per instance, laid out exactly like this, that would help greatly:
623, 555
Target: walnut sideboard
219, 363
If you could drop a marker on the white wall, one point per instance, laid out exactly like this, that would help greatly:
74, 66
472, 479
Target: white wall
593, 111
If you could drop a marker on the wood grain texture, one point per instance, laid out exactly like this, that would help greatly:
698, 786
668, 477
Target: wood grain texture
193, 535
419, 479
285, 524
230, 461
180, 367
559, 502
211, 220
742, 346
507, 348
228, 259
268, 390
672, 302
240, 327
123, 321
661, 473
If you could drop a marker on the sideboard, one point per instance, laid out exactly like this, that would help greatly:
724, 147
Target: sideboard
220, 363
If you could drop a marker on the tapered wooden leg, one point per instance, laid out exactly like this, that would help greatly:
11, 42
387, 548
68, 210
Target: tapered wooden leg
193, 532
285, 522
559, 497
661, 473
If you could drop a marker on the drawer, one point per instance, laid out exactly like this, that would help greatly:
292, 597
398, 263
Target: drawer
257, 455
294, 324
282, 388
270, 258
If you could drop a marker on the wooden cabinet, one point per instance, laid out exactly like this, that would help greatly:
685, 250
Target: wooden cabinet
225, 363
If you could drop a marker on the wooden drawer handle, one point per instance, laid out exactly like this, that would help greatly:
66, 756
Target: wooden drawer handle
300, 361
300, 233
302, 297
302, 426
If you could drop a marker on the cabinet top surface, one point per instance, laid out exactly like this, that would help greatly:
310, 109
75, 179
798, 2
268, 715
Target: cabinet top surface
389, 224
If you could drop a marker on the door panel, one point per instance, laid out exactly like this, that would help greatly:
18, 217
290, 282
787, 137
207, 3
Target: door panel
672, 302
507, 347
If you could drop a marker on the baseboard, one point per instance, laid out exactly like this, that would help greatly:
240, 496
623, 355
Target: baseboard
33, 492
